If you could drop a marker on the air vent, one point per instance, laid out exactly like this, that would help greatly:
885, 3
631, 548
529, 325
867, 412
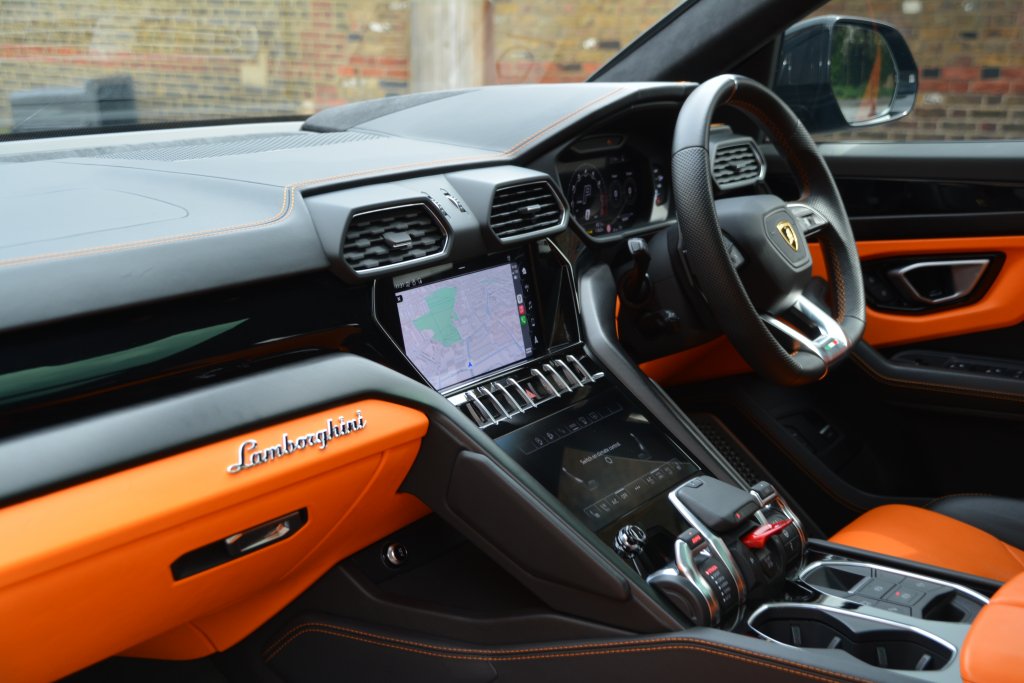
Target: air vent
735, 165
387, 237
525, 208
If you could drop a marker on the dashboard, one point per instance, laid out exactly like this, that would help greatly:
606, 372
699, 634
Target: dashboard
405, 226
466, 268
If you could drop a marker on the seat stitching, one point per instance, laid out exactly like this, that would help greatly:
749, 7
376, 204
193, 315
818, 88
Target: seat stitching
929, 504
567, 655
288, 199
526, 654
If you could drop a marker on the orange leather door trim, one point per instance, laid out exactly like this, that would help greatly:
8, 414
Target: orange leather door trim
924, 536
85, 572
992, 651
1002, 306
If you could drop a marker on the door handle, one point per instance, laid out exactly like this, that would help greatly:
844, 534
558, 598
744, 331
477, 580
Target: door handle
264, 534
939, 282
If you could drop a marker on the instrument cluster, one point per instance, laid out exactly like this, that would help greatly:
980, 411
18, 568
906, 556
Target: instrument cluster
616, 191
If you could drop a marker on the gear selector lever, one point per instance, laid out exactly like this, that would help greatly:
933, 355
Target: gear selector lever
720, 506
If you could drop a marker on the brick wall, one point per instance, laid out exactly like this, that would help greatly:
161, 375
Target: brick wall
550, 42
196, 59
970, 54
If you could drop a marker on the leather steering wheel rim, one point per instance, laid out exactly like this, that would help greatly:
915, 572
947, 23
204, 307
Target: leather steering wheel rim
705, 253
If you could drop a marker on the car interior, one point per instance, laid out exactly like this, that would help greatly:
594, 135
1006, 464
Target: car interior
615, 380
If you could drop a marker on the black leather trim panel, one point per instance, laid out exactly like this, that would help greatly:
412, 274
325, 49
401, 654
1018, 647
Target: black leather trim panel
990, 391
160, 229
118, 439
317, 649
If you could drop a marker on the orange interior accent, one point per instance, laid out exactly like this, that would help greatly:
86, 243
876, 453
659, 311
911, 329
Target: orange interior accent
991, 653
1002, 306
85, 572
925, 536
716, 358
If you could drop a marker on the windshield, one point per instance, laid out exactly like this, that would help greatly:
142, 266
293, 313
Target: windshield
82, 65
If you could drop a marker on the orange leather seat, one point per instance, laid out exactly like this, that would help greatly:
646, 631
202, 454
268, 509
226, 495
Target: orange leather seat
992, 652
933, 536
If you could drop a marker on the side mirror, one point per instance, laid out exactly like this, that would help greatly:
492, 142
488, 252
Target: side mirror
845, 72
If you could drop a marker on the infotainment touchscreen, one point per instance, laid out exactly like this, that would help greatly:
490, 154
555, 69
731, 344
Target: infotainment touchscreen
459, 327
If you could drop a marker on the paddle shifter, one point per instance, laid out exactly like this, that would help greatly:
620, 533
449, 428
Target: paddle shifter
736, 546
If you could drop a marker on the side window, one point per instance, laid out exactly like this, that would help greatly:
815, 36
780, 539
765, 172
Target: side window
970, 54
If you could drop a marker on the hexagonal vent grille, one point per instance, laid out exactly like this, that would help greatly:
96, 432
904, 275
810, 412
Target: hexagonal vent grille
736, 165
519, 209
386, 237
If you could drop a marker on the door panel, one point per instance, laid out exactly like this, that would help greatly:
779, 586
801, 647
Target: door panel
1001, 306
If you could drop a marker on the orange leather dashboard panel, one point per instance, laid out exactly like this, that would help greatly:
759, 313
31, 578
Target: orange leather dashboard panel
992, 652
924, 536
716, 358
85, 572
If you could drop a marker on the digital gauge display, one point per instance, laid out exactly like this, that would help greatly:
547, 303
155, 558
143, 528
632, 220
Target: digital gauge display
588, 198
605, 194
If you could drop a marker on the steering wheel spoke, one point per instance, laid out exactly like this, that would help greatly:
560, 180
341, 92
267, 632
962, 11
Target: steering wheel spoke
808, 221
812, 329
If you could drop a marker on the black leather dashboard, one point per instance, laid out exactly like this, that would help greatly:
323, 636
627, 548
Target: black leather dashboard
86, 234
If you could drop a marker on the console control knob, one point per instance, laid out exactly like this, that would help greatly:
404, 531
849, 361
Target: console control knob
756, 539
684, 595
395, 555
629, 542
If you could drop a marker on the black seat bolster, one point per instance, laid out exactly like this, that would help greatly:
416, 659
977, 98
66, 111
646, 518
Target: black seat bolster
1001, 517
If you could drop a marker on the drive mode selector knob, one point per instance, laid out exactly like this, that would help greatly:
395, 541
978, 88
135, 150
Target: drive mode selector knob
629, 542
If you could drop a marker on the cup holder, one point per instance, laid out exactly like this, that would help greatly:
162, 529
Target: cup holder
878, 642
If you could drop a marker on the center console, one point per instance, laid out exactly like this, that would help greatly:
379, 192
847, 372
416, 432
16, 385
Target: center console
500, 339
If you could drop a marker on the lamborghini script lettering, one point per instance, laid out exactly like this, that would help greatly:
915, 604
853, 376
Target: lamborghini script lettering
250, 454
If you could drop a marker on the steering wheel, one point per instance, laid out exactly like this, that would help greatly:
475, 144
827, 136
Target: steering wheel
748, 256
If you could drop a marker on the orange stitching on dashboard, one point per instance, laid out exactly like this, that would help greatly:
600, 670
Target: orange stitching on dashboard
287, 204
580, 650
399, 167
525, 141
288, 198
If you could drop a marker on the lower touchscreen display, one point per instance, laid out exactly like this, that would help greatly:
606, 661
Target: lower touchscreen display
457, 328
603, 460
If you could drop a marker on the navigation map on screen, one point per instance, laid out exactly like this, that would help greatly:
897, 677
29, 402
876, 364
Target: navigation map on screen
465, 326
